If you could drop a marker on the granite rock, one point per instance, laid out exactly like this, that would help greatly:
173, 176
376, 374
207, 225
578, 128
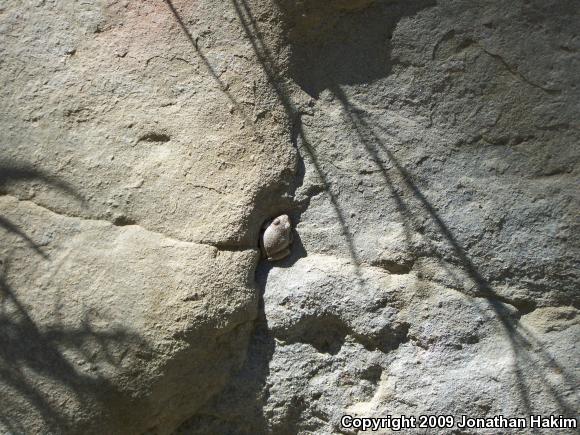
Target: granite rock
425, 152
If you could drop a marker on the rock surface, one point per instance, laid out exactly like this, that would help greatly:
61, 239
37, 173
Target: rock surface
436, 273
134, 163
427, 151
113, 330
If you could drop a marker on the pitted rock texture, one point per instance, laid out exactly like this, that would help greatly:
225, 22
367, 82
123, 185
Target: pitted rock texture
151, 122
435, 271
137, 145
425, 150
101, 325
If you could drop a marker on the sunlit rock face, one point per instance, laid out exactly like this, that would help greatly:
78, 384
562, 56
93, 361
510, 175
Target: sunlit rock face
425, 153
138, 156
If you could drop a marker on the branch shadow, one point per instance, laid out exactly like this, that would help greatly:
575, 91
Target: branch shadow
33, 357
17, 172
26, 349
223, 87
328, 75
318, 69
6, 224
11, 172
522, 341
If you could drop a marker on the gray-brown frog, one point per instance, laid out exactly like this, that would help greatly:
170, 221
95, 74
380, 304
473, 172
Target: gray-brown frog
276, 238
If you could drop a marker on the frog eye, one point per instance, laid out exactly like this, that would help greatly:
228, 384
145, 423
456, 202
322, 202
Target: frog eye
276, 221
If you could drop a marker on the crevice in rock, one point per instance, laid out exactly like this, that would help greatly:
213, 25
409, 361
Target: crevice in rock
522, 306
122, 220
229, 246
154, 137
513, 71
328, 333
319, 61
126, 221
394, 267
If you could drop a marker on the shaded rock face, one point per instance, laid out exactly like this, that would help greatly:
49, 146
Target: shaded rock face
425, 150
435, 203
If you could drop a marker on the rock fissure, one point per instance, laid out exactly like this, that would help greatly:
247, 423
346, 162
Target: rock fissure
122, 221
423, 151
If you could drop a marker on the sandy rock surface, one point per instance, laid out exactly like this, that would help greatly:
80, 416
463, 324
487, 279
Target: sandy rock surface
425, 151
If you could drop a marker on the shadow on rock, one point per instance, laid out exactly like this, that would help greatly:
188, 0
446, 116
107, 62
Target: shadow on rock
42, 368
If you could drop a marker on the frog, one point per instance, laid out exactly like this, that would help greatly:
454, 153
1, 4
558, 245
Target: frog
276, 238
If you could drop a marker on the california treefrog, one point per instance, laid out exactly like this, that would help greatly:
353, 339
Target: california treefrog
276, 239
